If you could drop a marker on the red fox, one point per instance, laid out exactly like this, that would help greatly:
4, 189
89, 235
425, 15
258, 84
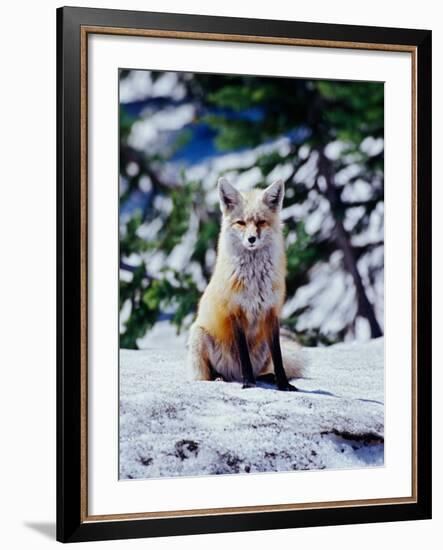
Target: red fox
236, 335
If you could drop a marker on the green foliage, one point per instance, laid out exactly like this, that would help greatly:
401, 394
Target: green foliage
177, 222
207, 236
235, 134
176, 290
142, 317
173, 291
126, 122
130, 242
354, 109
267, 163
301, 254
243, 95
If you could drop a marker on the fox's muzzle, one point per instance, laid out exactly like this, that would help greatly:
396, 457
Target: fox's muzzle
251, 236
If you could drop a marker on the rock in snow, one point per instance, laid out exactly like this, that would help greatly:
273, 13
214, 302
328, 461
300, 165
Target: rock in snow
170, 426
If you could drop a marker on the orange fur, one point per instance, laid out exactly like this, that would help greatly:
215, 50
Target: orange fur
251, 294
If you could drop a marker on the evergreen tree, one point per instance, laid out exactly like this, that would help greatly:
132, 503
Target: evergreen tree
325, 138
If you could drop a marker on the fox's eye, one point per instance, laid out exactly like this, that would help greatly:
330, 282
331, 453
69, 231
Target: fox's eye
261, 223
240, 222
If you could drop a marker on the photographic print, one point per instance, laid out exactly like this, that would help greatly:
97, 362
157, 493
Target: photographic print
251, 227
235, 314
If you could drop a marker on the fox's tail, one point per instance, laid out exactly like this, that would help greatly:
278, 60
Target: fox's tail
294, 360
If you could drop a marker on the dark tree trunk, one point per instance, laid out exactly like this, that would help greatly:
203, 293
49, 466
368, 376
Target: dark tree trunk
365, 308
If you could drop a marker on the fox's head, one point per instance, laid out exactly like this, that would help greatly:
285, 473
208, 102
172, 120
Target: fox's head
251, 219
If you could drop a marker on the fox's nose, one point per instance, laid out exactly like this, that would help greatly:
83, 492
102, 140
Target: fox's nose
252, 239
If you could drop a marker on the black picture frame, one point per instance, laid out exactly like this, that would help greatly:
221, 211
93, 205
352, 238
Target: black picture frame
72, 525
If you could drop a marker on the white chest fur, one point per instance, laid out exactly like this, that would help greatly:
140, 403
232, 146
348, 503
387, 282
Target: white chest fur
256, 271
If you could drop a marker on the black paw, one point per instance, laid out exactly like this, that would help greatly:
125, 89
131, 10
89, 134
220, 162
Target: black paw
287, 387
248, 385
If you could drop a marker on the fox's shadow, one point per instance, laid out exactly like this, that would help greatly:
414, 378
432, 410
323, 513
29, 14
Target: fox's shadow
267, 383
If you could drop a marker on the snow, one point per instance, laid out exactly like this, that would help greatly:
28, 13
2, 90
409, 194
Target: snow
170, 426
162, 336
372, 146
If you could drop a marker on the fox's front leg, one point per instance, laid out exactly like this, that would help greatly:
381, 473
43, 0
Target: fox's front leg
243, 353
274, 345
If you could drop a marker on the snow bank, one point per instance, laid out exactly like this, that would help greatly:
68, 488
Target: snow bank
170, 426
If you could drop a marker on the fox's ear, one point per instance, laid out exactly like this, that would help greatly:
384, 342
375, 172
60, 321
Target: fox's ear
273, 195
229, 196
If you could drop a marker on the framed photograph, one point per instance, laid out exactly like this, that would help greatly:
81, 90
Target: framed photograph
244, 274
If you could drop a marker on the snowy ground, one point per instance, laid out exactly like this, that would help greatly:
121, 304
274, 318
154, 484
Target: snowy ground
170, 426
